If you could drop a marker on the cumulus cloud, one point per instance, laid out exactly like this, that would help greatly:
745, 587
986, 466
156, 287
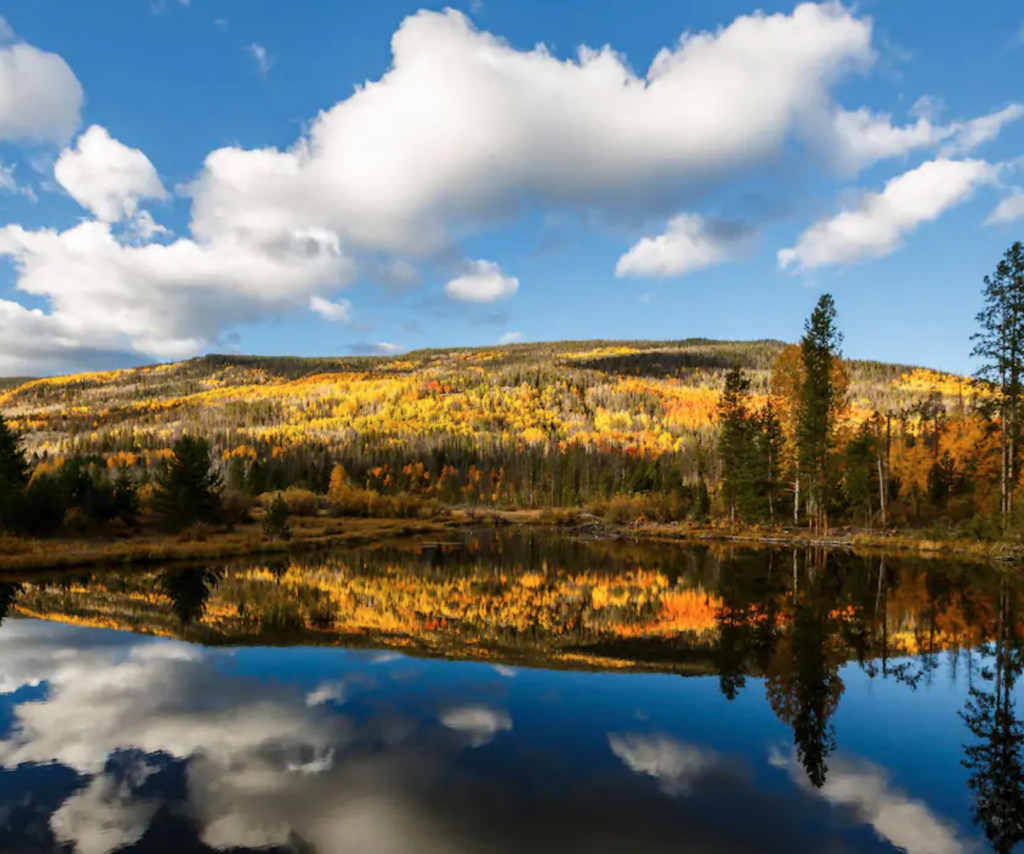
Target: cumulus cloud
858, 138
1009, 209
166, 301
462, 132
381, 171
511, 338
480, 723
865, 788
877, 225
40, 97
107, 177
676, 766
336, 312
483, 282
689, 243
103, 817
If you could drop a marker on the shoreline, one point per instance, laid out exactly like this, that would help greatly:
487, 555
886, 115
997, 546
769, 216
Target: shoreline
318, 534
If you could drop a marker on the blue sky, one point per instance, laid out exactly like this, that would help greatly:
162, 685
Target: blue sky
180, 178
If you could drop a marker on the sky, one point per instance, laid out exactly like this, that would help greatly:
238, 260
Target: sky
180, 177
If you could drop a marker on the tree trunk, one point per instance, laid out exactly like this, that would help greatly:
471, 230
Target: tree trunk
881, 493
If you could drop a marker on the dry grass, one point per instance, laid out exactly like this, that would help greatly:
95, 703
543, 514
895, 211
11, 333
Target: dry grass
19, 554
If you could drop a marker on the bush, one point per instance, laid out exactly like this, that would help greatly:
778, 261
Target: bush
982, 528
301, 502
236, 507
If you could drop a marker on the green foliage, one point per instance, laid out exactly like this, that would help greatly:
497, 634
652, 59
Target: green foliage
13, 475
188, 487
38, 510
276, 522
820, 402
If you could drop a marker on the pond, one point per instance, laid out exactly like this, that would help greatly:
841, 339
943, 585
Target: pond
515, 693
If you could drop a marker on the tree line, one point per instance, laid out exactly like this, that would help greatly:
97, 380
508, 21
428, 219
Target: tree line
782, 440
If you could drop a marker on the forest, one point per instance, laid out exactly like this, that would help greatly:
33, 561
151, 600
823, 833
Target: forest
719, 433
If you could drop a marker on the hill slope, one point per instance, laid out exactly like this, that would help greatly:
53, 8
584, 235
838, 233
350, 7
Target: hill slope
482, 416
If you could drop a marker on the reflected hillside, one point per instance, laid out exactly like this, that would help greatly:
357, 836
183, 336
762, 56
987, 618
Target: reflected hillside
555, 602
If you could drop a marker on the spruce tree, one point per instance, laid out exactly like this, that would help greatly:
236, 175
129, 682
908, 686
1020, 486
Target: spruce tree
999, 344
820, 402
736, 450
189, 489
771, 442
13, 463
276, 524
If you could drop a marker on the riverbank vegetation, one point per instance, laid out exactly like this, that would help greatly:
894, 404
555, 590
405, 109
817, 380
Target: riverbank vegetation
759, 436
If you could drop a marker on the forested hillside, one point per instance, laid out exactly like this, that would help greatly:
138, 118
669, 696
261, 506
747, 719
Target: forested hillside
520, 425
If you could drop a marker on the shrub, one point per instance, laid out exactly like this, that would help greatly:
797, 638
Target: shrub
236, 507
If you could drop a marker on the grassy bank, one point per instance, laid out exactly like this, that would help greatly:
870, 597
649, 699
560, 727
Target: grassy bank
313, 533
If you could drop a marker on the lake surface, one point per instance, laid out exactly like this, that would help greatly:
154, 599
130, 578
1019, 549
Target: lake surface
515, 693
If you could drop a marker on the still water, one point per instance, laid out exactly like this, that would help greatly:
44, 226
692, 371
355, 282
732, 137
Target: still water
514, 693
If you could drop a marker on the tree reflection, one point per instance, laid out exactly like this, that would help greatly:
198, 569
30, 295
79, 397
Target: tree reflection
8, 593
189, 591
995, 759
804, 686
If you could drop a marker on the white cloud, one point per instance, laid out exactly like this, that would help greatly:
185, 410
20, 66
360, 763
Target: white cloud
858, 138
505, 671
383, 172
865, 788
1009, 209
480, 723
461, 132
336, 312
876, 226
928, 107
648, 296
482, 283
676, 766
327, 692
102, 818
510, 338
688, 244
969, 135
40, 97
166, 301
107, 177
264, 60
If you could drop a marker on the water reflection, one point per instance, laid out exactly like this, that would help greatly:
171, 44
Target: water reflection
840, 689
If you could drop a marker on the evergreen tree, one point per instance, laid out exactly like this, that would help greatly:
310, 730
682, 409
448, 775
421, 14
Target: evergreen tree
821, 401
736, 449
942, 479
1000, 345
189, 591
771, 443
13, 464
189, 489
8, 593
276, 524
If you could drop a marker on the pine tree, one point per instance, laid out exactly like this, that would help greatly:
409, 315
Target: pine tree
13, 464
821, 401
276, 524
736, 445
771, 444
189, 489
1000, 346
